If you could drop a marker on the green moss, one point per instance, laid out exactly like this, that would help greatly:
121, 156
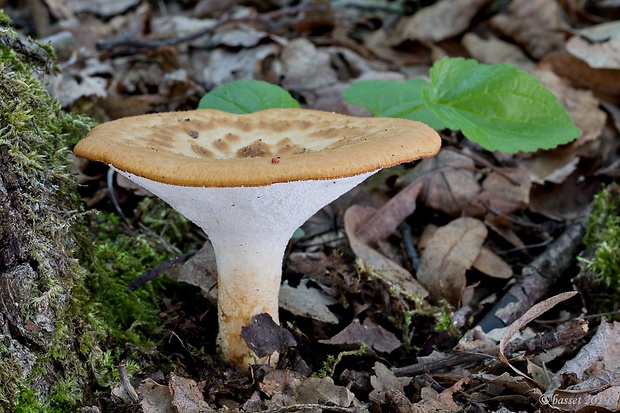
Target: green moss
329, 366
65, 395
602, 241
117, 263
28, 401
128, 322
35, 135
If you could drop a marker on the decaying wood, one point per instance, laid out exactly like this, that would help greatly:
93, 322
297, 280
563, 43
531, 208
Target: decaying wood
536, 278
576, 331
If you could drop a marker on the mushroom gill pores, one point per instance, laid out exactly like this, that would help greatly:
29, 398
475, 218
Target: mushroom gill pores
249, 181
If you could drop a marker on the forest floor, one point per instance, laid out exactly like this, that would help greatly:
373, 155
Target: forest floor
367, 339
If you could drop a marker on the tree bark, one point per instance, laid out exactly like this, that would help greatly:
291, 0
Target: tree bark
42, 364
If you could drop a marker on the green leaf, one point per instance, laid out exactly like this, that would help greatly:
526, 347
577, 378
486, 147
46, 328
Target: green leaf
497, 106
247, 96
394, 99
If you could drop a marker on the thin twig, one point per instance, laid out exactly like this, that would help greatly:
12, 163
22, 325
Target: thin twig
112, 195
158, 270
131, 392
410, 250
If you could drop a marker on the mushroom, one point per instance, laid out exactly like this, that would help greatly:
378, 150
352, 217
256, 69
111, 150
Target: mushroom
249, 181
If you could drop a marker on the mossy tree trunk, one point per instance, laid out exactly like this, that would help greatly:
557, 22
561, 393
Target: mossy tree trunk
42, 338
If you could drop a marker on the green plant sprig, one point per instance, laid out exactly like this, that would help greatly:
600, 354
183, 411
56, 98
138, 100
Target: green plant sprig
498, 106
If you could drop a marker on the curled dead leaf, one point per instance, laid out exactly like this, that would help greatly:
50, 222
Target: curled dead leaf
387, 270
531, 314
384, 221
449, 254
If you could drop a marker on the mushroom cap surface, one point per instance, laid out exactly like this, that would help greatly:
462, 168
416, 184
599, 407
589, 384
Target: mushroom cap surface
211, 148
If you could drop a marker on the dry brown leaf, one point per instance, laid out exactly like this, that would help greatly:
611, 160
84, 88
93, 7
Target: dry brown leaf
200, 270
210, 8
155, 397
601, 32
537, 373
448, 255
187, 395
531, 314
60, 9
504, 191
224, 66
67, 89
305, 67
475, 339
324, 391
380, 44
491, 264
503, 227
605, 83
596, 372
242, 36
596, 359
280, 382
492, 50
603, 55
368, 333
442, 20
264, 337
397, 401
63, 9
312, 264
387, 270
88, 30
384, 380
439, 402
537, 25
103, 8
173, 26
515, 383
348, 65
307, 302
384, 221
435, 356
120, 106
426, 236
449, 184
566, 201
554, 165
557, 165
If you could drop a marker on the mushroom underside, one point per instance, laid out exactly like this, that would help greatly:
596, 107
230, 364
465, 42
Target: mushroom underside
249, 228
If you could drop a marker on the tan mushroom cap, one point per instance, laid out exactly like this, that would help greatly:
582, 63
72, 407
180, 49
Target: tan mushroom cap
211, 148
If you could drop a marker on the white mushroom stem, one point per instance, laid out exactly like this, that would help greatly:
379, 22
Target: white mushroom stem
249, 228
